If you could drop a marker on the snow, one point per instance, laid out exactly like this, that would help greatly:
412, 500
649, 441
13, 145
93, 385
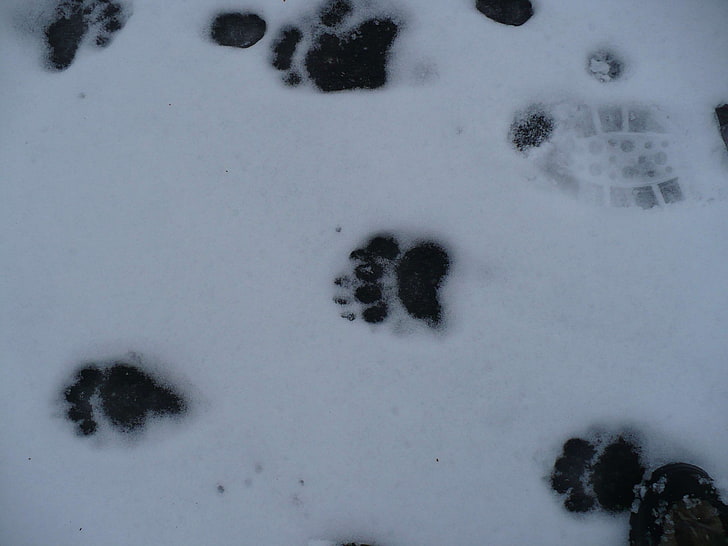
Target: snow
171, 197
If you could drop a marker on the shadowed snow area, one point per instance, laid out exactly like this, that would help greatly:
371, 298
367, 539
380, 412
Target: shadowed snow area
172, 197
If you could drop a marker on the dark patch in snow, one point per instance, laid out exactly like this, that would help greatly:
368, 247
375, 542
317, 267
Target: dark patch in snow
382, 276
338, 543
123, 393
617, 471
341, 55
334, 13
419, 275
237, 29
569, 471
76, 19
285, 46
531, 128
63, 37
79, 395
506, 12
598, 473
721, 113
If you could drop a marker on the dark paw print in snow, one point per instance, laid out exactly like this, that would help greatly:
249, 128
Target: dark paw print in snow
721, 113
598, 474
237, 29
341, 56
384, 278
74, 20
506, 12
122, 393
337, 543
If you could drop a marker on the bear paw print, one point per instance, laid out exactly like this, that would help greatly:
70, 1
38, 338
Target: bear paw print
342, 51
384, 278
122, 393
598, 473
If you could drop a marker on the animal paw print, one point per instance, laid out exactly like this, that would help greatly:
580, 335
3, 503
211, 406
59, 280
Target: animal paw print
384, 280
343, 51
599, 473
334, 543
237, 29
120, 392
721, 113
618, 155
76, 19
506, 12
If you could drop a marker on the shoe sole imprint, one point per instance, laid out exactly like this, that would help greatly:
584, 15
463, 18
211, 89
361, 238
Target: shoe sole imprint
617, 155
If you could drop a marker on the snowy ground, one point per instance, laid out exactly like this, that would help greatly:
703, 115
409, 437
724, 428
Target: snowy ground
171, 197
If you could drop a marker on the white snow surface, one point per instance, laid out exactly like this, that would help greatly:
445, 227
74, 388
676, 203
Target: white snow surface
171, 197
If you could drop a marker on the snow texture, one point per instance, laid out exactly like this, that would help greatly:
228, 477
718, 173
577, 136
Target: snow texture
169, 196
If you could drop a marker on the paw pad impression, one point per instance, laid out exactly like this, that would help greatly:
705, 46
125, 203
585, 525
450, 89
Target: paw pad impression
122, 393
76, 19
721, 113
506, 12
384, 278
235, 29
335, 543
343, 51
602, 473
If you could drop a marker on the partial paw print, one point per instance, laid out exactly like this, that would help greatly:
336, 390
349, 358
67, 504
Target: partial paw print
506, 12
721, 113
342, 48
619, 155
335, 543
598, 473
121, 393
74, 20
387, 280
237, 29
